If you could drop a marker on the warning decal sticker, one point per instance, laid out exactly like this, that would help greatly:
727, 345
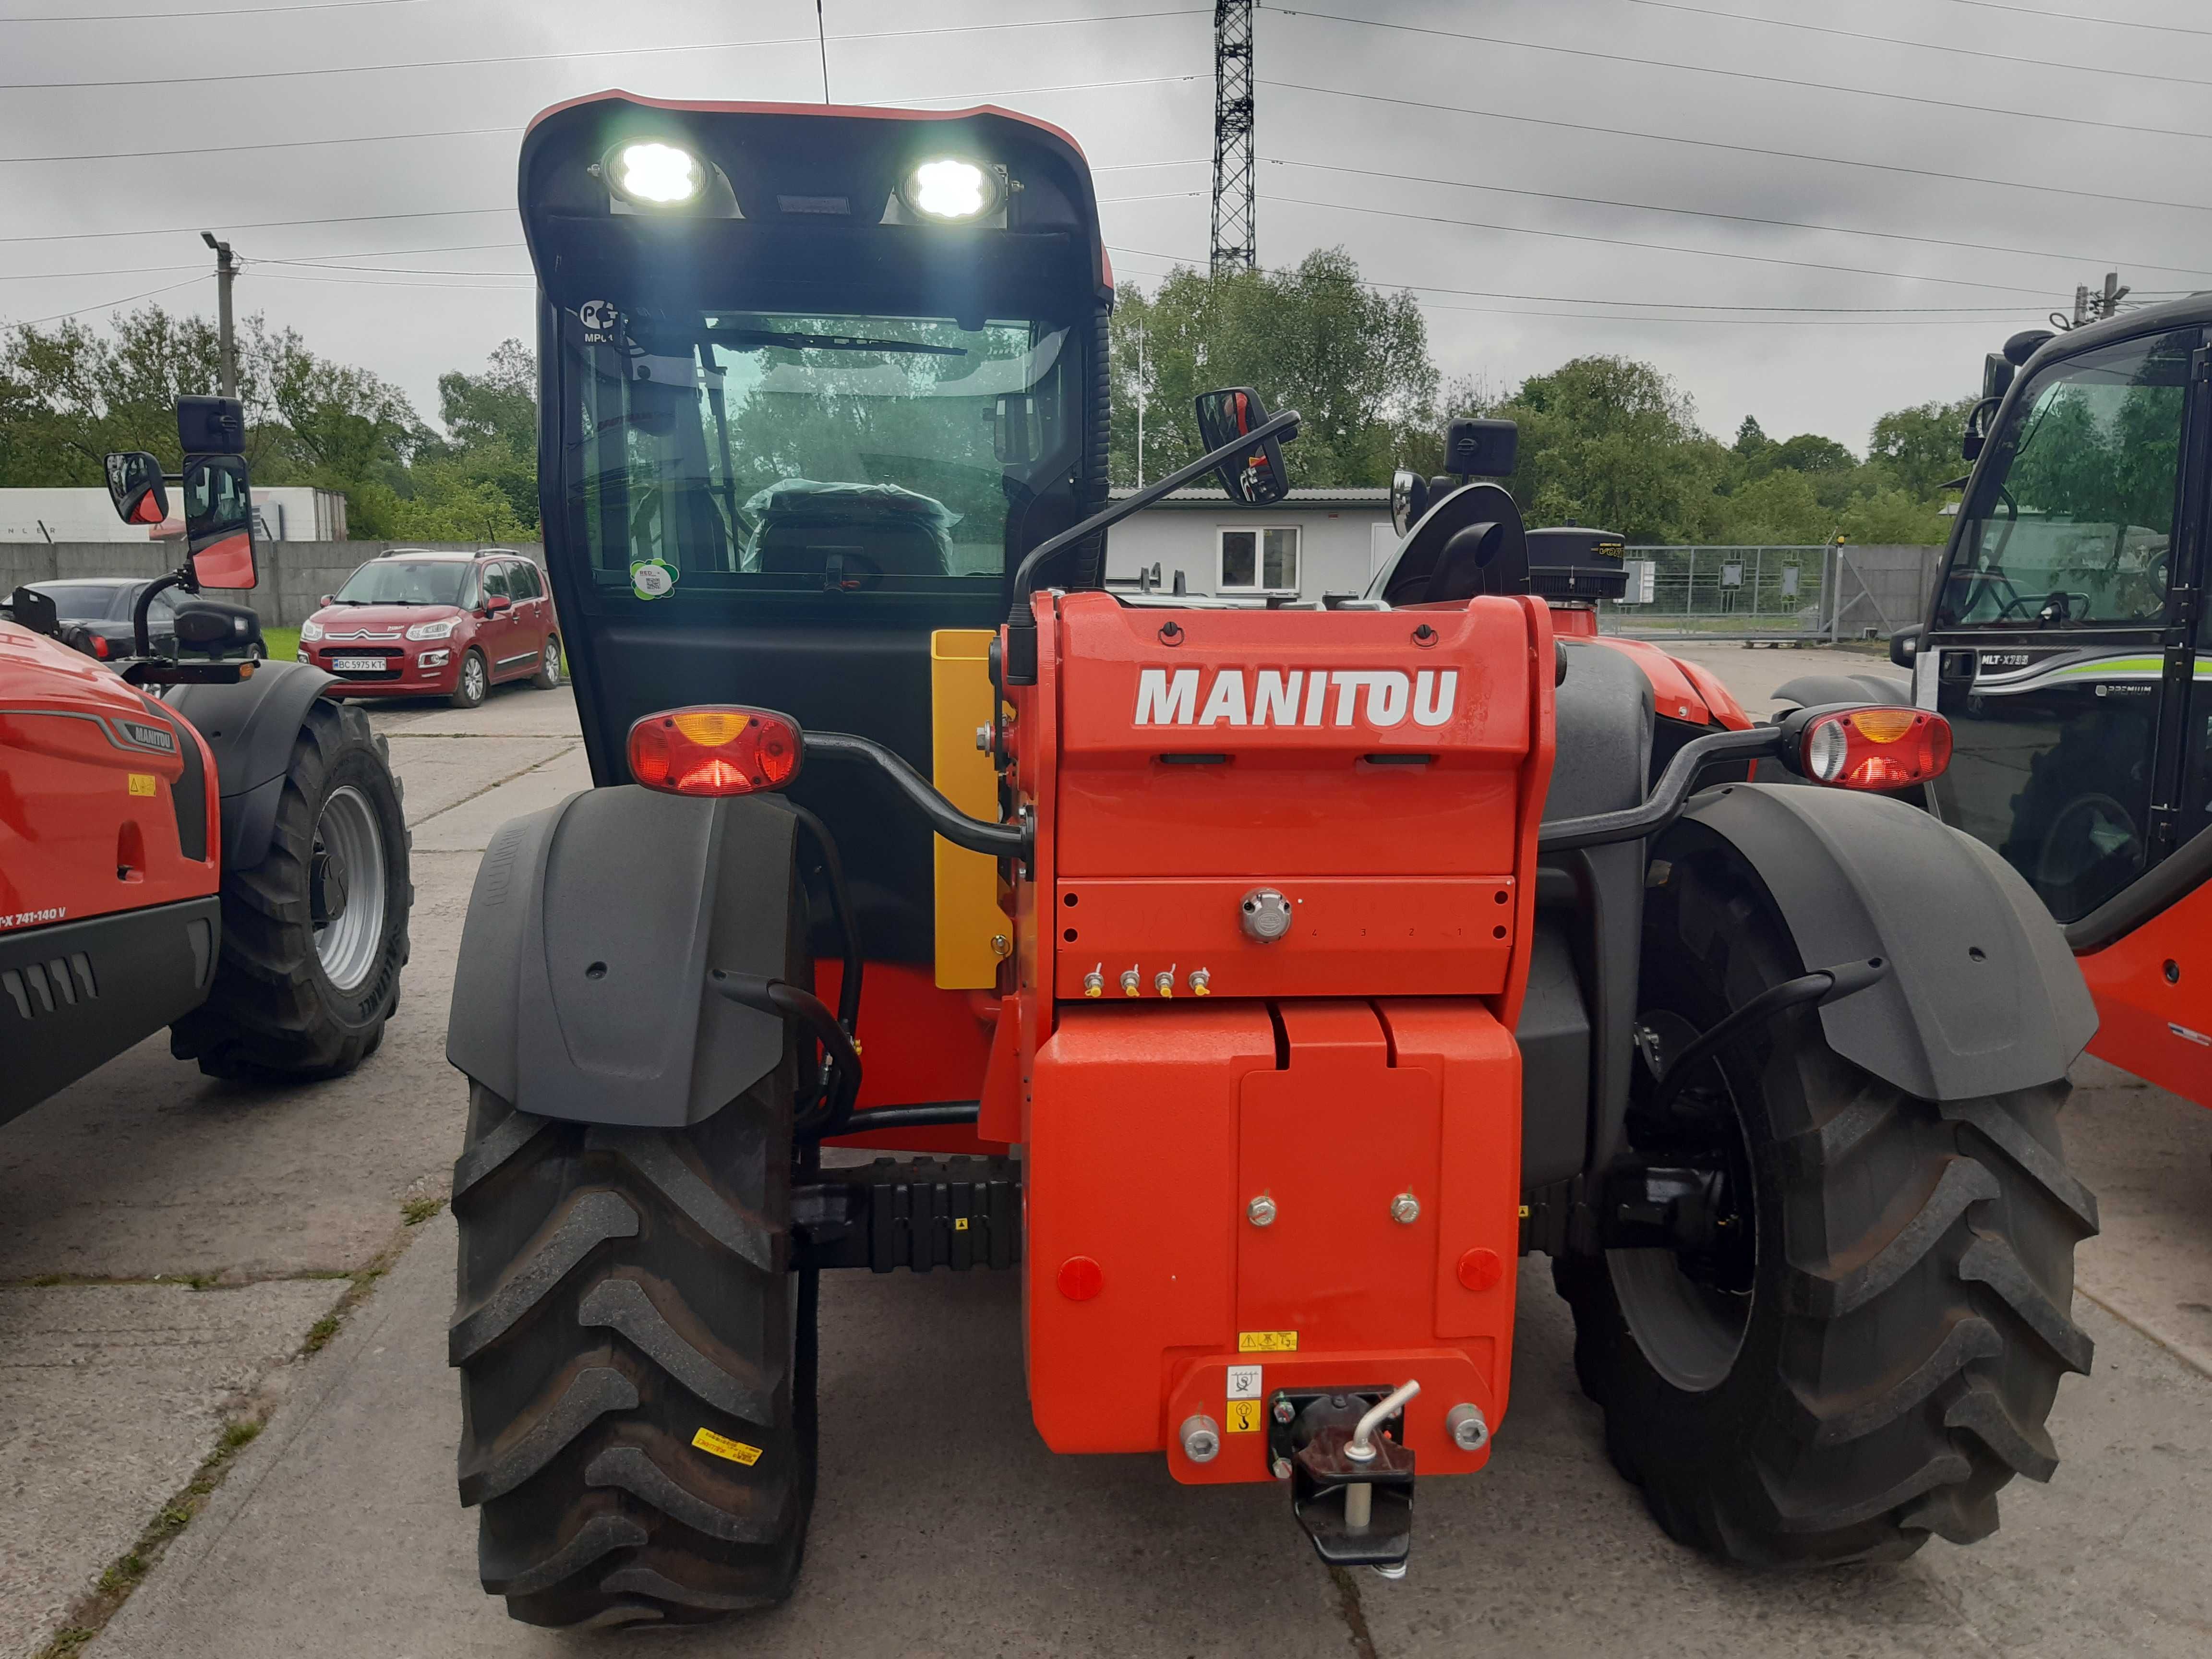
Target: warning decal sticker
722, 1446
1267, 1341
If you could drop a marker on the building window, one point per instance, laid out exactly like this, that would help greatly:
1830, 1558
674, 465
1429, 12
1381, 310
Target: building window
1259, 561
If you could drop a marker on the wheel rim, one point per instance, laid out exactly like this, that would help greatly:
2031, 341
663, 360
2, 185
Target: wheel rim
552, 660
347, 888
472, 678
1689, 1328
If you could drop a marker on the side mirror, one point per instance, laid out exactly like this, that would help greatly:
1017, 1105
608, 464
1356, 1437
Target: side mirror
34, 611
1015, 435
322, 601
496, 603
1409, 498
1475, 448
1997, 371
1261, 476
1905, 645
134, 485
211, 426
218, 521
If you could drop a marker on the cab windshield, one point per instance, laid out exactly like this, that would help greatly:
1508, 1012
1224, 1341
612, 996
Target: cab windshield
2072, 521
748, 450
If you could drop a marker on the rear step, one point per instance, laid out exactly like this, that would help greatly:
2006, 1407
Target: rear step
919, 1213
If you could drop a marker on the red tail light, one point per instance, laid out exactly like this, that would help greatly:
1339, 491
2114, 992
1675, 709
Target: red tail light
1875, 748
715, 750
100, 645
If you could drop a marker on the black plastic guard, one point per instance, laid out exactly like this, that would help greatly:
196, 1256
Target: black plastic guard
582, 990
1984, 998
250, 728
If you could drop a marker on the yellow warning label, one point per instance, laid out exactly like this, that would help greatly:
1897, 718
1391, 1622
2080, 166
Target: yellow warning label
959, 1224
141, 783
1267, 1341
722, 1446
1243, 1417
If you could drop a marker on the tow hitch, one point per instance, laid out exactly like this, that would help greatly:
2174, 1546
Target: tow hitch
1352, 1478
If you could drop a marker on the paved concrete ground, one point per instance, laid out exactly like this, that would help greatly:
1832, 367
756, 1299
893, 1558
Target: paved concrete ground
942, 1525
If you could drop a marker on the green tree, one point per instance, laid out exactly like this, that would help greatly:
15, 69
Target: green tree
1353, 362
490, 443
1894, 518
1916, 449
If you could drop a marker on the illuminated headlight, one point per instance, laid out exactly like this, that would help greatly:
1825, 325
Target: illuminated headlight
434, 631
950, 190
657, 174
311, 630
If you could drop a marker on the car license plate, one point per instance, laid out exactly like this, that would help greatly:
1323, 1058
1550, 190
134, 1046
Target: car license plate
359, 665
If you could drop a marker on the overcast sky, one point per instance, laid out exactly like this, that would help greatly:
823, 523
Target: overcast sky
1440, 163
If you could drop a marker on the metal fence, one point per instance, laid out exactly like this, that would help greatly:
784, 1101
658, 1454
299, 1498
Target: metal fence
1820, 592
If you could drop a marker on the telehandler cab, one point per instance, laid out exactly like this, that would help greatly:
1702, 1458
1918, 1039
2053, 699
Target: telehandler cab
1264, 980
2068, 644
197, 838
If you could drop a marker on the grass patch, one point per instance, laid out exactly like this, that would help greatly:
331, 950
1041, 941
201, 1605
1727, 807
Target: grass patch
283, 643
417, 1211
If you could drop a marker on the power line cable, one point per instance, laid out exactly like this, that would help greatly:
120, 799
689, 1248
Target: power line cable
233, 11
1764, 151
1642, 63
1662, 247
1733, 218
1922, 45
2080, 17
602, 52
108, 304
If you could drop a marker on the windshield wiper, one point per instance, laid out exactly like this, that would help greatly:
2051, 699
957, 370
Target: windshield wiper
756, 338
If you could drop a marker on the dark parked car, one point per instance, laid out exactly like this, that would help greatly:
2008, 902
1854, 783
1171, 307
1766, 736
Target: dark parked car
419, 623
95, 613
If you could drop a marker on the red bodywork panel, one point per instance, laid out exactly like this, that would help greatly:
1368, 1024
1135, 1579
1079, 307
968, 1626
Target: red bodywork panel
1682, 691
88, 775
1173, 761
2157, 1027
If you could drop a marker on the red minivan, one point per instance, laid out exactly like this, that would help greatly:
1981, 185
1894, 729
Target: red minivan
416, 623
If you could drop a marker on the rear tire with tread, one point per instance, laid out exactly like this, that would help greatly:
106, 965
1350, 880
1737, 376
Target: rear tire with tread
1909, 1314
273, 1014
625, 1332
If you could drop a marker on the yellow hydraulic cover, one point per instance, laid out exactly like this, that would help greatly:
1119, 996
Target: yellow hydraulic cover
967, 914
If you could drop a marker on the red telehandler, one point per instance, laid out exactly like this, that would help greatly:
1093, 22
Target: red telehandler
1275, 973
195, 840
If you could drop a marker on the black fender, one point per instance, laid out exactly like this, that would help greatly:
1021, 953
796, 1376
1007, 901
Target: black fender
582, 991
1868, 690
1982, 996
250, 728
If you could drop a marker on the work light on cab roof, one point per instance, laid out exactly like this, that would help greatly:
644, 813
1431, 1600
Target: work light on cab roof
653, 174
950, 190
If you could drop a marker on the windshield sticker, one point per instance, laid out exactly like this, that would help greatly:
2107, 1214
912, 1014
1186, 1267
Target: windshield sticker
601, 322
652, 579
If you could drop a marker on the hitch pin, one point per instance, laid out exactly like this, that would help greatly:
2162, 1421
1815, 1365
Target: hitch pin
1359, 1496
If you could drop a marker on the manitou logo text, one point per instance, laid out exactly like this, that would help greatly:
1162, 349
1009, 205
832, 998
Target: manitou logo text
1371, 697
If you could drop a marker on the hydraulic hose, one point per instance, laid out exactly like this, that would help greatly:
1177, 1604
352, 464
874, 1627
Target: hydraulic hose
1819, 988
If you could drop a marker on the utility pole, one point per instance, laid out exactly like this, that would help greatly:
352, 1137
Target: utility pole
2108, 302
2095, 305
1140, 408
226, 268
1236, 238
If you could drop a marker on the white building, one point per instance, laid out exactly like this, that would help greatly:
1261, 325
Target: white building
283, 512
1312, 541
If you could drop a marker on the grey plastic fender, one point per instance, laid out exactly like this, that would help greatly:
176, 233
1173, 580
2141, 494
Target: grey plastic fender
250, 727
1815, 690
582, 991
1984, 996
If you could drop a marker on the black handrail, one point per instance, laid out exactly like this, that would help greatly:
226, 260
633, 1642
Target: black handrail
1665, 803
1004, 841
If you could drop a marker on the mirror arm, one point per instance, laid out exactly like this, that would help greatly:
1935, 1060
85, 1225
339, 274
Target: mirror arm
1021, 620
140, 640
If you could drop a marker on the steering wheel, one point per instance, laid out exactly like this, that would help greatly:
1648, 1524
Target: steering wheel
2060, 597
2071, 847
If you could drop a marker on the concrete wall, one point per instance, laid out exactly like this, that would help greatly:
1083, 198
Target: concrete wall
294, 574
1338, 548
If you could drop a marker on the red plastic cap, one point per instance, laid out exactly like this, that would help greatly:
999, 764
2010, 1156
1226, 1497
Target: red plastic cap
1080, 1279
715, 750
1480, 1269
1876, 748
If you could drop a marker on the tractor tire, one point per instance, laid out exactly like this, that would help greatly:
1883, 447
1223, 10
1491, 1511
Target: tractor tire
315, 934
637, 1363
1886, 1354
